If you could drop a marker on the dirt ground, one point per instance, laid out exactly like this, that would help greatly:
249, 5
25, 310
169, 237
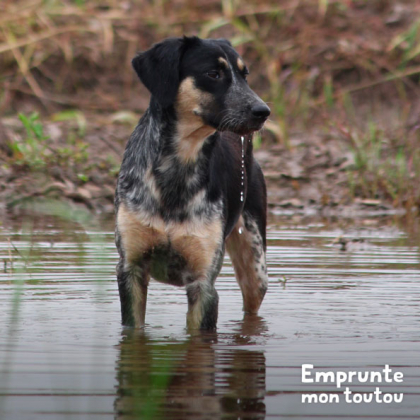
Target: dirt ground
307, 177
341, 78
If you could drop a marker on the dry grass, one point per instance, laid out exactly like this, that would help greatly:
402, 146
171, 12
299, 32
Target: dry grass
304, 53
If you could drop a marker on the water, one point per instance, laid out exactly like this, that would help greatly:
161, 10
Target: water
64, 354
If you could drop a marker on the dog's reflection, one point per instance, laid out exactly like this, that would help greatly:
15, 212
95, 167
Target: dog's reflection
205, 377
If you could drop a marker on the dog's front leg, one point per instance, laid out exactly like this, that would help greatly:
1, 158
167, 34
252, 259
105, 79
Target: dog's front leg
133, 280
203, 302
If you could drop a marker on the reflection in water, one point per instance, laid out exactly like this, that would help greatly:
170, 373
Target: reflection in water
358, 309
204, 377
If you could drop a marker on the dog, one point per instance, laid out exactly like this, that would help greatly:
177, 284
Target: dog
189, 186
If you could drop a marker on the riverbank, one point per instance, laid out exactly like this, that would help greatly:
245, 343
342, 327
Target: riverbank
75, 158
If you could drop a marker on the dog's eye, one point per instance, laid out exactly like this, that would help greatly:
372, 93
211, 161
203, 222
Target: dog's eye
213, 74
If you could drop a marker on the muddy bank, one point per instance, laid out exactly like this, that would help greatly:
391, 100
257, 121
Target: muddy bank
341, 79
78, 164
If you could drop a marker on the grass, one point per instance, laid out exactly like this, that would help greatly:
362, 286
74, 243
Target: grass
51, 49
34, 151
31, 151
385, 168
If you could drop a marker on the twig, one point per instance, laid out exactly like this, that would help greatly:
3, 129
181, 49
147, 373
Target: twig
40, 192
24, 68
10, 254
25, 260
27, 41
388, 78
111, 146
60, 99
19, 12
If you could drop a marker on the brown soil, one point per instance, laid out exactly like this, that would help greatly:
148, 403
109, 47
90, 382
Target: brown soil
309, 177
326, 68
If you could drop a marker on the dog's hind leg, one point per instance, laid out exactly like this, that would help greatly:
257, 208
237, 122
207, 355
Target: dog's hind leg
133, 280
246, 248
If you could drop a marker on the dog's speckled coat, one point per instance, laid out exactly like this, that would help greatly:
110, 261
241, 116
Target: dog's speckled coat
178, 199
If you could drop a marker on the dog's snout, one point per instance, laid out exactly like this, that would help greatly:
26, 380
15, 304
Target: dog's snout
260, 111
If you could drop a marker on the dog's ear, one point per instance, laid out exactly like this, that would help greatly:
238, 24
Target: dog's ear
158, 69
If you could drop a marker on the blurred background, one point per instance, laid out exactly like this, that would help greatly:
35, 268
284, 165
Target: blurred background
341, 78
341, 157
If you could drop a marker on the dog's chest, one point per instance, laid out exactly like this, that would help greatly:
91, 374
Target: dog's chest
167, 221
175, 252
167, 188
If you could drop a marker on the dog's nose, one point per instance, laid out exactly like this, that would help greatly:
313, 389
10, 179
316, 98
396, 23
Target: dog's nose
260, 111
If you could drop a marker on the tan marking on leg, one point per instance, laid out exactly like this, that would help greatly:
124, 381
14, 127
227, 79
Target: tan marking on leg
240, 63
191, 129
195, 315
248, 267
139, 296
202, 305
137, 234
223, 62
197, 243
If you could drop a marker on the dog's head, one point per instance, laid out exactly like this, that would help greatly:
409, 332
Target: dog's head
202, 80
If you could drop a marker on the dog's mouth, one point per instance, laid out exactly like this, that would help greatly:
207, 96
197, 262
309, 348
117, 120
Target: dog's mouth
244, 120
243, 127
256, 124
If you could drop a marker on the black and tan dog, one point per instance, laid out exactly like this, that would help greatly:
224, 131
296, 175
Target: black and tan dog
189, 185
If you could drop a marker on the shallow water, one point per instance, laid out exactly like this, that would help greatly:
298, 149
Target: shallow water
64, 354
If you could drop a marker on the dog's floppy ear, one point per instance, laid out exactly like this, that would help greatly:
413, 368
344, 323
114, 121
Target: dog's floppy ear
158, 69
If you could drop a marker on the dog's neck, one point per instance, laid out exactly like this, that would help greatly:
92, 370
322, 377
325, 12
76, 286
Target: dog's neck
191, 130
181, 136
154, 151
190, 139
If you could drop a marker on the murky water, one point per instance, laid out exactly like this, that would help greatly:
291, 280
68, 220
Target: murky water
64, 354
